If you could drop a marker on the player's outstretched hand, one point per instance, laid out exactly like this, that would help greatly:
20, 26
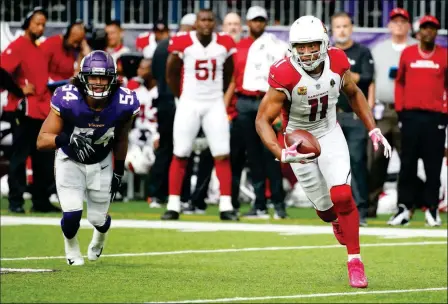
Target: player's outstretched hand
377, 137
115, 185
290, 155
82, 146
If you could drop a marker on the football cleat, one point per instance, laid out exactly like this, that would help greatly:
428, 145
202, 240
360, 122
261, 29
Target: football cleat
357, 277
402, 217
170, 215
228, 216
96, 245
72, 252
256, 214
337, 230
280, 212
433, 219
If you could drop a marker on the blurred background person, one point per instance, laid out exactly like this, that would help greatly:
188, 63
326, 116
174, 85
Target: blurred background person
64, 52
115, 45
146, 42
143, 137
232, 26
28, 64
386, 56
157, 191
420, 101
254, 56
362, 70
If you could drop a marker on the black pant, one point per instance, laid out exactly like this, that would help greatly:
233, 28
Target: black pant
24, 145
203, 173
356, 136
422, 136
157, 182
237, 159
378, 164
260, 160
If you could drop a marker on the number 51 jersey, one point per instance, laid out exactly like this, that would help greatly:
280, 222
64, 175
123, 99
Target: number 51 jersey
311, 103
98, 126
202, 70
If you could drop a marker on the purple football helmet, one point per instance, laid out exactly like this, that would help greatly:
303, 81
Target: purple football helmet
98, 63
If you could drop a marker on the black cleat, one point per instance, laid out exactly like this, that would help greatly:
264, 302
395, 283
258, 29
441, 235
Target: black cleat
16, 209
280, 212
228, 216
170, 215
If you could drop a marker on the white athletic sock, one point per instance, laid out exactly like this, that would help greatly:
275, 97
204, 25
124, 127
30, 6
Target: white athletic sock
225, 203
98, 237
173, 203
354, 256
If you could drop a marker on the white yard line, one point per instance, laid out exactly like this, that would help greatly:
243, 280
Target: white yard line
313, 295
211, 226
231, 250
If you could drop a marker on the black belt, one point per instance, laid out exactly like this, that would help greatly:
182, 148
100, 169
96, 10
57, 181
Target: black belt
252, 97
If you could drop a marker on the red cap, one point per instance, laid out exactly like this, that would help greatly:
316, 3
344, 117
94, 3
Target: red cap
430, 19
398, 11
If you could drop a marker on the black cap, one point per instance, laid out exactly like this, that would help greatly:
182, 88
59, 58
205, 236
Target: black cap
37, 9
160, 26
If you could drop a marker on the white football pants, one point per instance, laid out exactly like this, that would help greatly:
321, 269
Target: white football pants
190, 116
74, 181
331, 168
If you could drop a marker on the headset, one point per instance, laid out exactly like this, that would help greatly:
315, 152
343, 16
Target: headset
37, 9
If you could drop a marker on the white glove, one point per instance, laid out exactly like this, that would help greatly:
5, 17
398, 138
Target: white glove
377, 137
290, 155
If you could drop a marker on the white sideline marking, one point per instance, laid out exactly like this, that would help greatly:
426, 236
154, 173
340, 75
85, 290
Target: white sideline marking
313, 295
231, 250
8, 270
210, 226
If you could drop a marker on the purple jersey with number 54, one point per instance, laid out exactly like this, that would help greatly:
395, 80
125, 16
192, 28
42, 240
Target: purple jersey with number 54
98, 126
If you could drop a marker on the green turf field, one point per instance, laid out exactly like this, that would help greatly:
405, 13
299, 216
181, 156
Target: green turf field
202, 259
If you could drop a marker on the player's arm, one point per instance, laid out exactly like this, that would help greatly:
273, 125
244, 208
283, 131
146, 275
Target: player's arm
173, 72
49, 137
229, 92
228, 72
268, 111
120, 147
358, 101
360, 106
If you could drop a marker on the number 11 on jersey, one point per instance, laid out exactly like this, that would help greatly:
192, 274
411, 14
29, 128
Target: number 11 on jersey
314, 103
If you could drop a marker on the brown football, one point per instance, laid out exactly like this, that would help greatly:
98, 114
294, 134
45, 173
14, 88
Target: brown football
309, 142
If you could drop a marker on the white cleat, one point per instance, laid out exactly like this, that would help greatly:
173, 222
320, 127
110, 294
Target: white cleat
402, 217
431, 221
72, 252
96, 245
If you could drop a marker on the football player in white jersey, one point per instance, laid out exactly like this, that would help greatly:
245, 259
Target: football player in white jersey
199, 70
305, 87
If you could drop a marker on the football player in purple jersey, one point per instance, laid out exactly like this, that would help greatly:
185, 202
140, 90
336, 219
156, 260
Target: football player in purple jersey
90, 120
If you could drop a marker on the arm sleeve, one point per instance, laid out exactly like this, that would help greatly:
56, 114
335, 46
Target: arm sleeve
367, 67
10, 59
7, 83
399, 83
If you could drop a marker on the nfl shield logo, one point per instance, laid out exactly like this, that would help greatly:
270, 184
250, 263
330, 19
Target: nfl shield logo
302, 91
318, 86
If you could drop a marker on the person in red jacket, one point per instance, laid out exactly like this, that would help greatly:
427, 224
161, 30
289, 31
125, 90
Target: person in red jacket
421, 104
28, 64
65, 51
